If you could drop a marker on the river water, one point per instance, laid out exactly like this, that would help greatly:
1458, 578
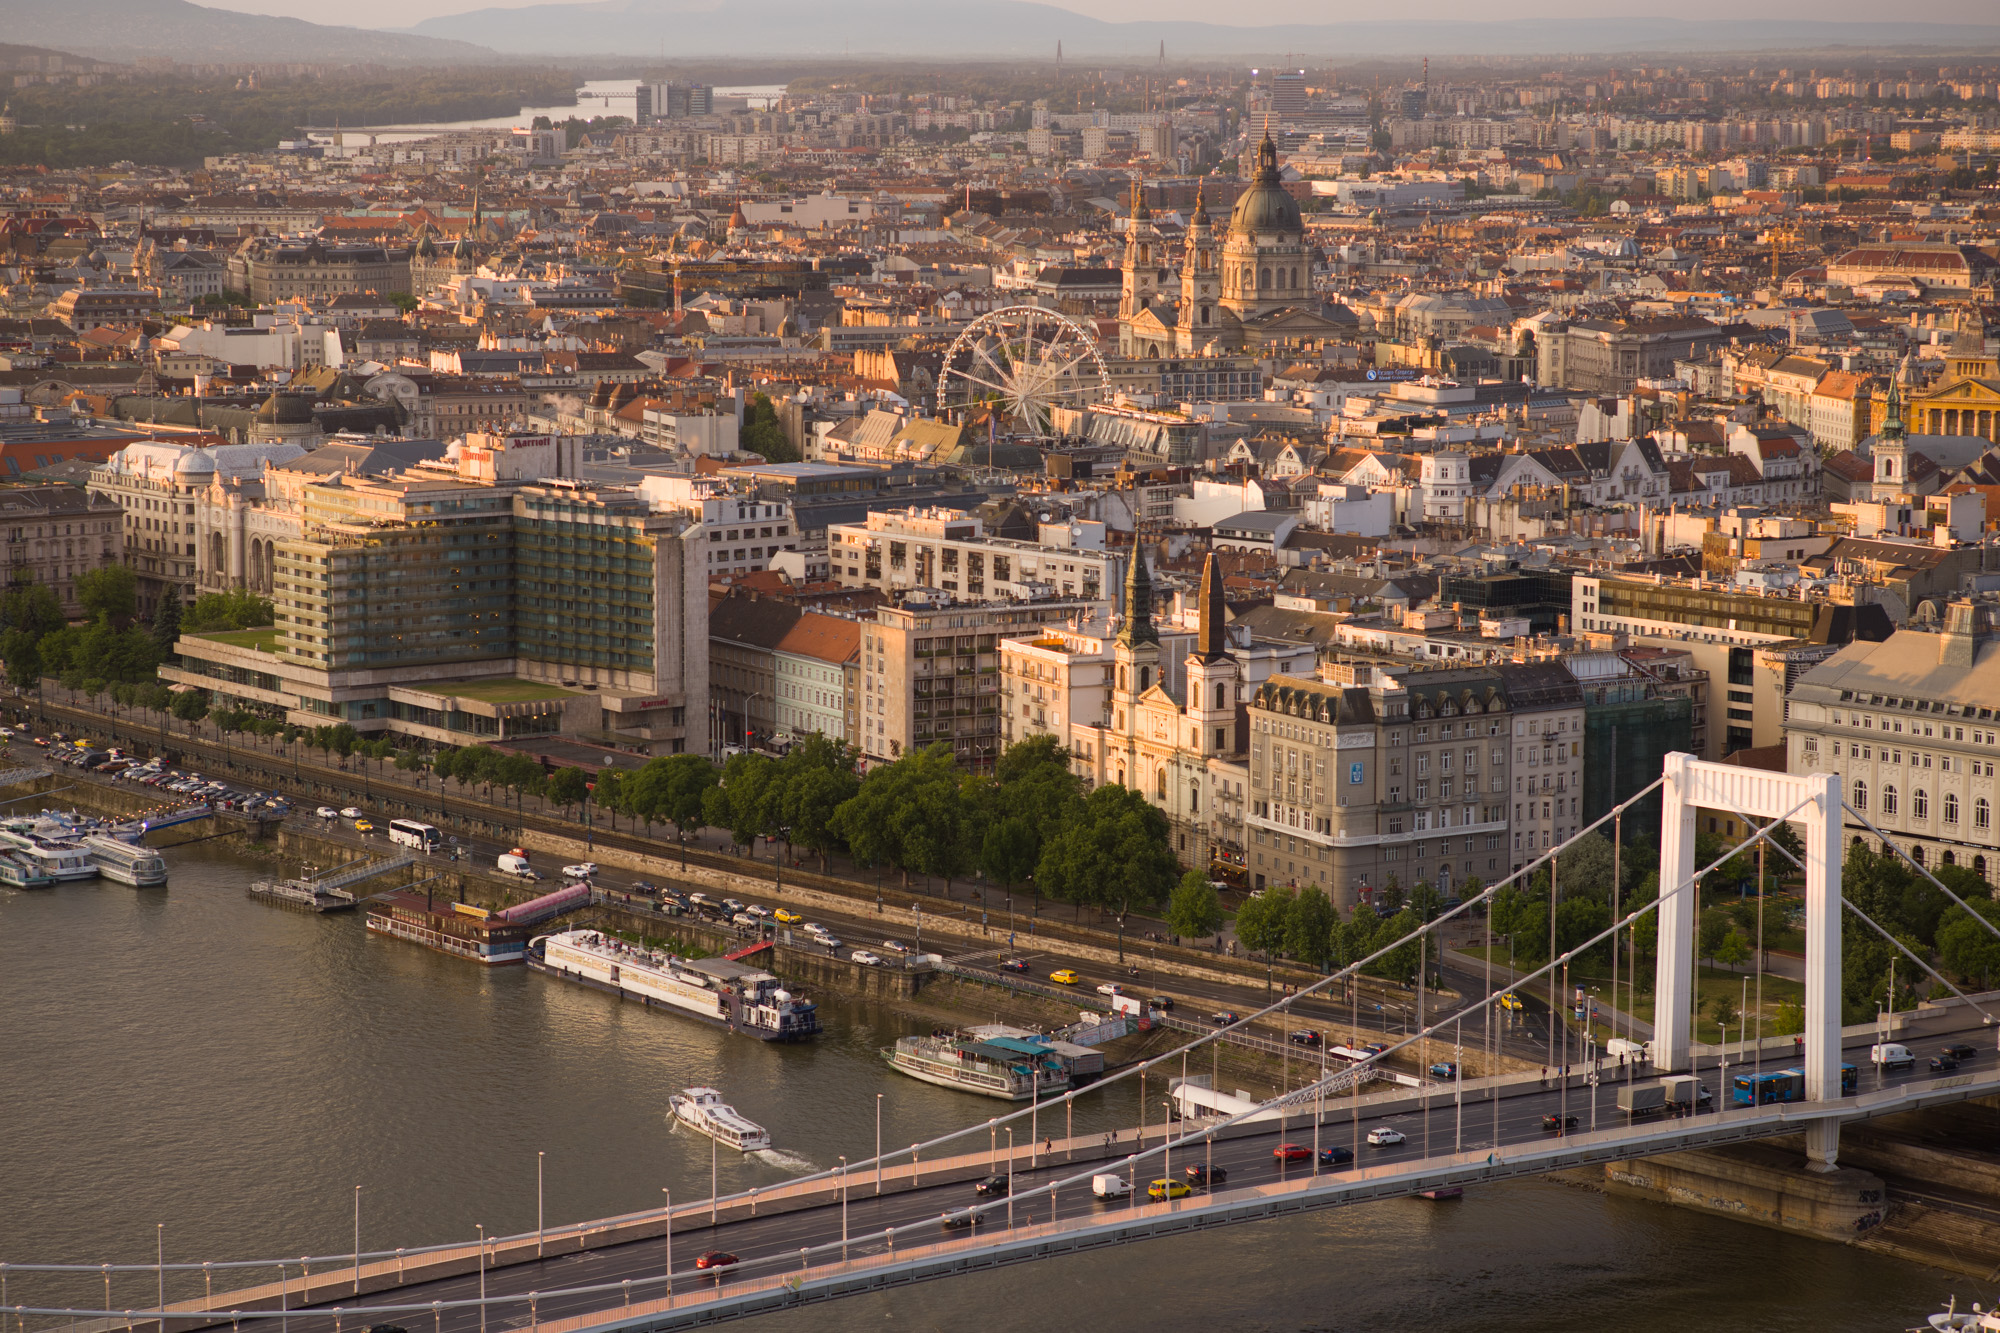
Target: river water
232, 1070
598, 97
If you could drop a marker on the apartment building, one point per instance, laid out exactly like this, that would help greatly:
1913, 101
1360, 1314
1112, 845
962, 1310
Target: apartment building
948, 549
1548, 719
1360, 776
54, 533
1911, 725
273, 269
742, 530
930, 671
817, 679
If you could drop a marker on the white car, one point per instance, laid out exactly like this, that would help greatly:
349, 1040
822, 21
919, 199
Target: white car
350, 812
581, 870
863, 956
1111, 988
895, 946
757, 910
1382, 1136
816, 930
830, 942
327, 812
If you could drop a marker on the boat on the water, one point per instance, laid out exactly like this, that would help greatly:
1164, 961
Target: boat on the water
704, 1111
128, 863
728, 994
58, 858
459, 929
1954, 1320
1009, 1068
303, 895
18, 872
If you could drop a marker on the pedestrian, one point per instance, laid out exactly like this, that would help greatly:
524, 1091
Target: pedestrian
1545, 1076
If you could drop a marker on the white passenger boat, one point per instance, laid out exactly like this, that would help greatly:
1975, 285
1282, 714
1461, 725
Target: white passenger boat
58, 858
17, 872
141, 867
703, 1110
729, 994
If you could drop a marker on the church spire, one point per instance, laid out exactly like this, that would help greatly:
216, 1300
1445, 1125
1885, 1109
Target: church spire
1140, 212
1209, 643
1198, 220
1892, 421
1138, 627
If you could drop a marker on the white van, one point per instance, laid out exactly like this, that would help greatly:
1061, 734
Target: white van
1631, 1050
1892, 1056
1110, 1187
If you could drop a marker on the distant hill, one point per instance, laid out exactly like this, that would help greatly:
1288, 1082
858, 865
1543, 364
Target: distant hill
124, 30
1019, 27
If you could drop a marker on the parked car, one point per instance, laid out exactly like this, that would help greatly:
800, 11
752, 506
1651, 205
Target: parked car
993, 1187
1385, 1136
1335, 1156
1292, 1152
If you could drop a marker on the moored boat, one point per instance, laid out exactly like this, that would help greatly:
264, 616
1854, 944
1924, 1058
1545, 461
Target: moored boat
728, 994
704, 1111
128, 863
1008, 1068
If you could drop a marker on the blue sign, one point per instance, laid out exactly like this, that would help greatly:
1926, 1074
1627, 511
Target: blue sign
1354, 774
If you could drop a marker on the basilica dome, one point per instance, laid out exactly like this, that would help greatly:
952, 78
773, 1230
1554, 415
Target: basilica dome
1265, 206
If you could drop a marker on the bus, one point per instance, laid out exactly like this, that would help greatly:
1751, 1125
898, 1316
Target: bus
409, 833
1783, 1085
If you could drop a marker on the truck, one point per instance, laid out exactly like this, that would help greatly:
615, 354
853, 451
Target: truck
1110, 1187
1636, 1099
1684, 1092
511, 863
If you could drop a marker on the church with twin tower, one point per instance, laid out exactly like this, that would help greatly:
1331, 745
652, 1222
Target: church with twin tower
1247, 290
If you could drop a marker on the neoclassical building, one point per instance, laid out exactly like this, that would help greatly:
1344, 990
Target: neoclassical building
1247, 291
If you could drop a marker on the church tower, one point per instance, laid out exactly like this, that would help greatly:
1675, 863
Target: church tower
1144, 257
1201, 279
1135, 667
1891, 449
1214, 678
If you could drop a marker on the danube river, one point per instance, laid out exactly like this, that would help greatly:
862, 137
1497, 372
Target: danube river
231, 1070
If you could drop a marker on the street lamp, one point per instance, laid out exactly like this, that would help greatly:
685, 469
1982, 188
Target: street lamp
878, 1145
670, 1238
482, 1275
357, 1240
539, 1158
843, 1208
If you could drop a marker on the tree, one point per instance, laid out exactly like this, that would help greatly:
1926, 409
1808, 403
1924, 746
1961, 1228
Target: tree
167, 619
684, 783
811, 799
1426, 901
1723, 1009
1734, 950
238, 608
1309, 930
1788, 1018
739, 803
109, 593
764, 434
1195, 908
1967, 947
190, 706
610, 793
1264, 921
1586, 866
902, 815
1714, 928
1114, 854
1009, 851
567, 787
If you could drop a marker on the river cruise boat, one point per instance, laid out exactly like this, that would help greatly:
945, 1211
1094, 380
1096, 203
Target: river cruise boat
729, 994
1004, 1067
459, 929
128, 863
18, 872
704, 1111
58, 858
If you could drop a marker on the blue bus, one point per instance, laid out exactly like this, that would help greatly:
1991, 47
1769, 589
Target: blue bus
1784, 1085
1850, 1078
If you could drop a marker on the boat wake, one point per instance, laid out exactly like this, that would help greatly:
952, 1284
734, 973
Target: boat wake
784, 1161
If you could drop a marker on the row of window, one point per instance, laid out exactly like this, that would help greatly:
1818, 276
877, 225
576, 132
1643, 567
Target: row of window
1920, 804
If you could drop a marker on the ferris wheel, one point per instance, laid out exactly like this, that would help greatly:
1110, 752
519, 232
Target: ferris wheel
1022, 360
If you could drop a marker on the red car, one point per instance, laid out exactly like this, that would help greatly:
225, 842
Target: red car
715, 1259
1292, 1152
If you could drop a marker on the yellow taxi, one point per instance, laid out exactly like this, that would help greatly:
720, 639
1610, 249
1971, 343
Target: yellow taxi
1064, 977
787, 917
363, 826
1169, 1189
1509, 1001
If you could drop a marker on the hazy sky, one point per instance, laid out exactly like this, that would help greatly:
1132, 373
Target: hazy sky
401, 13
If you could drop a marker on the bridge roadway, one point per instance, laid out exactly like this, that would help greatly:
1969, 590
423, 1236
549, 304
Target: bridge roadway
1447, 1140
